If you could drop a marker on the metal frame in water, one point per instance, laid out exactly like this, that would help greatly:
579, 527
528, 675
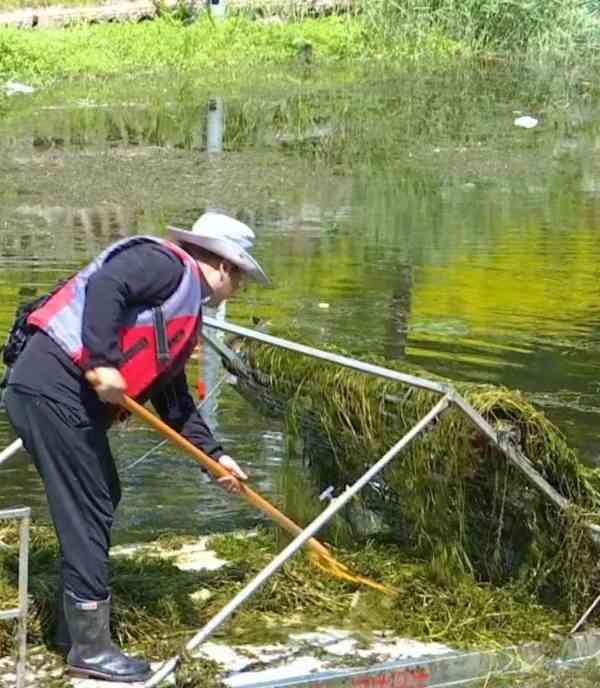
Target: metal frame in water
394, 674
449, 397
451, 669
24, 515
505, 445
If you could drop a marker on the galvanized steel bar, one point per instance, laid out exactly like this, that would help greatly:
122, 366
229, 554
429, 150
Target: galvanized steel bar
24, 515
23, 599
519, 459
15, 512
170, 665
338, 359
11, 450
513, 454
585, 616
450, 669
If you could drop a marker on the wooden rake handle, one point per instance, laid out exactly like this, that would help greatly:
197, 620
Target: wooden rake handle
215, 469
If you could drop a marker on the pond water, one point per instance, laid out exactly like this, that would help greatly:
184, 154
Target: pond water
399, 213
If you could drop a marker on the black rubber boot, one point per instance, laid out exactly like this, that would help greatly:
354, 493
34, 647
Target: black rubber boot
93, 654
62, 637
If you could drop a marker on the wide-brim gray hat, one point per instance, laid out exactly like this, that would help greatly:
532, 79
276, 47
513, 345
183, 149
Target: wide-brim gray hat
226, 237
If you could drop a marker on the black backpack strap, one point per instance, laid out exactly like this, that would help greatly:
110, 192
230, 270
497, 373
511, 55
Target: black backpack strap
162, 342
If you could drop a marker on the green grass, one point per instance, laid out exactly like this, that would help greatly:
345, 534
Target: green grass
378, 30
539, 26
423, 30
40, 56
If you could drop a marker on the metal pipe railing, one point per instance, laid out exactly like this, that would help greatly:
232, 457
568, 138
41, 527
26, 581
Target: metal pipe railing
514, 455
24, 515
338, 359
11, 450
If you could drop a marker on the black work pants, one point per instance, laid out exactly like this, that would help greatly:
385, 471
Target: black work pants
73, 458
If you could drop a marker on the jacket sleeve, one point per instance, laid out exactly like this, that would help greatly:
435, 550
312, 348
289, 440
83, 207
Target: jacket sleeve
175, 405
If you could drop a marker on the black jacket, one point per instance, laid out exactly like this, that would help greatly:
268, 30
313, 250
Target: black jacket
142, 274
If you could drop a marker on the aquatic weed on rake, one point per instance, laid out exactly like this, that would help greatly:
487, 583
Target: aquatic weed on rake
319, 553
301, 539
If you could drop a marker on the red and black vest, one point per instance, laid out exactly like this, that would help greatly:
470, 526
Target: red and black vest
152, 341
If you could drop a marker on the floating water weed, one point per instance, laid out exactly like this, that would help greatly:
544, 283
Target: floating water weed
156, 606
585, 676
451, 497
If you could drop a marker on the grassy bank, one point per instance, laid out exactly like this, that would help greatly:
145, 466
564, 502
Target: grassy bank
168, 43
10, 5
383, 31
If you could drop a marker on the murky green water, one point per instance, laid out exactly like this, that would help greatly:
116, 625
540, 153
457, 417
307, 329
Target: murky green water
401, 215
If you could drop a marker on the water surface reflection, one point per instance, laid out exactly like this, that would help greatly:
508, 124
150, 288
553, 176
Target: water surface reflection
405, 218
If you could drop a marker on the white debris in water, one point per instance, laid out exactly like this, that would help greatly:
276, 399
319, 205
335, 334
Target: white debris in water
526, 122
225, 655
300, 666
307, 653
14, 87
341, 642
323, 305
190, 557
201, 596
197, 558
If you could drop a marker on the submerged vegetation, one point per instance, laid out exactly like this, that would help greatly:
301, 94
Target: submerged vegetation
156, 609
450, 498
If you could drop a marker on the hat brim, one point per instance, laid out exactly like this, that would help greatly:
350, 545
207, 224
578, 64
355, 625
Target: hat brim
225, 248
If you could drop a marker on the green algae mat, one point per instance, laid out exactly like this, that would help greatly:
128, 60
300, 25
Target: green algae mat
451, 499
157, 607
